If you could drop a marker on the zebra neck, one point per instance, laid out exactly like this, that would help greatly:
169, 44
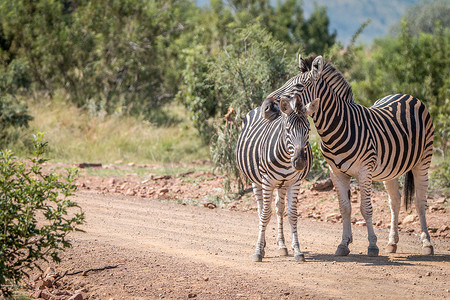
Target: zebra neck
332, 116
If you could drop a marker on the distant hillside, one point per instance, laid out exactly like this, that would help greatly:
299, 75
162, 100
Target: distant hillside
347, 15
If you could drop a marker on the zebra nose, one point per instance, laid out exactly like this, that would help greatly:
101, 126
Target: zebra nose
299, 159
268, 109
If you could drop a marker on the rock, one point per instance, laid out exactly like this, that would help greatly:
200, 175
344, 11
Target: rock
45, 294
443, 228
161, 177
322, 185
441, 201
77, 296
37, 294
163, 190
36, 277
130, 192
192, 295
428, 274
433, 208
409, 219
89, 165
111, 181
379, 223
361, 223
209, 205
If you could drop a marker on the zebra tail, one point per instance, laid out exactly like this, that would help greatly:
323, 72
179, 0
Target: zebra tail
408, 189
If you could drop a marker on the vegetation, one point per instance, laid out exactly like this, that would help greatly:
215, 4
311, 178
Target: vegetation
36, 214
124, 66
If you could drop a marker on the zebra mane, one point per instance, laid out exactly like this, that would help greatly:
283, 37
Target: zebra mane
333, 77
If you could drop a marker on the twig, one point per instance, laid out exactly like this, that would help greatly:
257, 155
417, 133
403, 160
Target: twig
84, 273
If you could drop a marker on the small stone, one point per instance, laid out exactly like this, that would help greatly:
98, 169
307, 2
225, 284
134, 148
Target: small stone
209, 205
206, 278
77, 296
287, 293
130, 192
37, 294
192, 295
428, 274
441, 201
443, 228
111, 181
322, 185
361, 223
45, 294
409, 219
163, 190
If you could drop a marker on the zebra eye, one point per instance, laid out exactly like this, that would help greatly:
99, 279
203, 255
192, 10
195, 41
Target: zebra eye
299, 86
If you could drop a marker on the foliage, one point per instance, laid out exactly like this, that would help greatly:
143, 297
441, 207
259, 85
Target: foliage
13, 113
111, 56
34, 209
319, 168
244, 73
423, 16
411, 64
440, 177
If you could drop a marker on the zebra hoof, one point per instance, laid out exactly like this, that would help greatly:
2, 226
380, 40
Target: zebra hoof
428, 250
283, 251
257, 257
342, 251
300, 257
391, 248
373, 251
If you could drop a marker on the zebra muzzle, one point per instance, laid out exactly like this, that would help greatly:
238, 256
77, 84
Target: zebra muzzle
299, 160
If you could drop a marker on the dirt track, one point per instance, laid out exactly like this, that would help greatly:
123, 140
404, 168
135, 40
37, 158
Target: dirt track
168, 250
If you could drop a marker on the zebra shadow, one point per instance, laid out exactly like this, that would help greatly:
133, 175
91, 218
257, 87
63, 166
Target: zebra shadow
358, 258
424, 258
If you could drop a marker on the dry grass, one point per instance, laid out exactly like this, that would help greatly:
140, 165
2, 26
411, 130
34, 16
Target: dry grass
74, 135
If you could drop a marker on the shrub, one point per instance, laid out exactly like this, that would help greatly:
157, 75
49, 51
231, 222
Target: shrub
34, 214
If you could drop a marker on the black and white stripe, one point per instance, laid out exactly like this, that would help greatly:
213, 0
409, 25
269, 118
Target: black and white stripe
275, 155
380, 143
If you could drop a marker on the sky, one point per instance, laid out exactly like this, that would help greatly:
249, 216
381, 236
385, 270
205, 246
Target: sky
347, 15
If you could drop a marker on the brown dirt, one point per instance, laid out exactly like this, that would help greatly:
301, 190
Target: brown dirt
164, 248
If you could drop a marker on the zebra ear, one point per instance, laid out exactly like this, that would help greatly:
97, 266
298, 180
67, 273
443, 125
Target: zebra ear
285, 106
312, 107
317, 67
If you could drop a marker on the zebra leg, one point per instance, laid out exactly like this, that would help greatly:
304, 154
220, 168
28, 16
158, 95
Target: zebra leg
279, 204
420, 174
365, 186
394, 203
257, 191
292, 193
264, 218
342, 183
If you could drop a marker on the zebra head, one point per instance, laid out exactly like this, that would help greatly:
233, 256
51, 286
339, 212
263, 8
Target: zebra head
295, 130
300, 88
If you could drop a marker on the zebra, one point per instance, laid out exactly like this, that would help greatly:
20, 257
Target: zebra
276, 155
379, 143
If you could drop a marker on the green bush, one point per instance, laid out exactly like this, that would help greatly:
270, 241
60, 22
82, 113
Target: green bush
34, 214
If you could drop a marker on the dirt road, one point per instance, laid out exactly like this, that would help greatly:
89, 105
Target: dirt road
168, 250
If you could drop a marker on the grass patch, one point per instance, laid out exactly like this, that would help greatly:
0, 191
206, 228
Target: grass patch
74, 135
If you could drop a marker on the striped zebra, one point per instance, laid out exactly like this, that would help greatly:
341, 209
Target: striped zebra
276, 155
380, 143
